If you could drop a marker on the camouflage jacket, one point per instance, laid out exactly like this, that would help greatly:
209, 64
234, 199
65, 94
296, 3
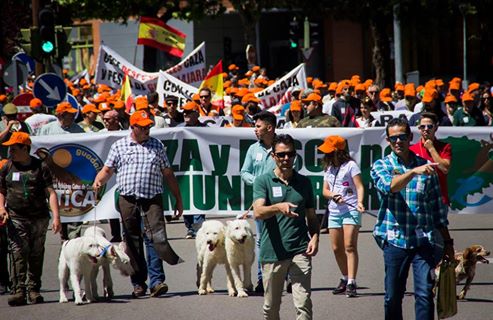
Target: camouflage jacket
322, 121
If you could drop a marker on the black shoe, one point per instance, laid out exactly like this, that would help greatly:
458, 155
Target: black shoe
341, 288
351, 290
190, 234
159, 289
17, 299
139, 291
289, 286
259, 289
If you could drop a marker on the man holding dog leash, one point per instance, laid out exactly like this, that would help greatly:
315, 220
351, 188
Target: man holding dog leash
411, 207
25, 185
141, 165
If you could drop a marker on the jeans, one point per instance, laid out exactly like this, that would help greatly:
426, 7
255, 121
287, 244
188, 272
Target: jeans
397, 263
154, 264
193, 222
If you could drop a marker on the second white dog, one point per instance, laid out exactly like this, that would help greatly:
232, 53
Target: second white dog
240, 251
210, 252
111, 254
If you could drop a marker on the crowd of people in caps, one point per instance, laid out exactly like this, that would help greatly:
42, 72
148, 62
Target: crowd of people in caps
347, 103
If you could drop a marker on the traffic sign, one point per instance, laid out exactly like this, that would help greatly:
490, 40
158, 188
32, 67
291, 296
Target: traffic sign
13, 78
25, 59
50, 89
74, 103
22, 103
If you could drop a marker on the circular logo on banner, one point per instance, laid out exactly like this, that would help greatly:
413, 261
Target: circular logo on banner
74, 168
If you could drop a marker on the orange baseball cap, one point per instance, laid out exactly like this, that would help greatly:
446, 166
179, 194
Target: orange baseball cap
454, 85
65, 106
102, 107
312, 97
3, 98
467, 97
295, 105
249, 97
18, 137
141, 104
90, 108
238, 112
190, 106
35, 103
450, 98
255, 68
232, 67
333, 86
427, 97
332, 143
473, 86
140, 118
399, 87
360, 87
118, 104
385, 95
409, 90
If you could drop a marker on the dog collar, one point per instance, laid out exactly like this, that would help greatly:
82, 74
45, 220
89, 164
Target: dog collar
105, 249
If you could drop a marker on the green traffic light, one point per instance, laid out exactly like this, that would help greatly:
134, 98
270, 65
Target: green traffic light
293, 44
47, 47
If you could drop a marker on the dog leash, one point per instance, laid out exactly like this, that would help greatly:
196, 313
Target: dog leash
364, 211
245, 214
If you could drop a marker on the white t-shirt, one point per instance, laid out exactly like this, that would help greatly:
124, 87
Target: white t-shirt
344, 185
37, 120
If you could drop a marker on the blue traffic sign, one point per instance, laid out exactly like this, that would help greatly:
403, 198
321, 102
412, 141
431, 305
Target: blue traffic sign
25, 59
74, 103
50, 89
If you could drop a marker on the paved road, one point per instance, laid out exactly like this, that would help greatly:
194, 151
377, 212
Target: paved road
182, 302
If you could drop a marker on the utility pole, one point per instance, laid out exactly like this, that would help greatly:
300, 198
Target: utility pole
35, 9
399, 77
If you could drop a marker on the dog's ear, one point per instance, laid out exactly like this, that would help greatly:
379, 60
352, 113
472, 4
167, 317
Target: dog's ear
467, 255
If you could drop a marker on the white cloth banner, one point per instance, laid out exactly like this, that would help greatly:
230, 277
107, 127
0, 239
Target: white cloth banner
207, 163
168, 85
191, 69
279, 92
111, 67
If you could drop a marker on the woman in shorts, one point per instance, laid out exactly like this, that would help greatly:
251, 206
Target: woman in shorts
343, 188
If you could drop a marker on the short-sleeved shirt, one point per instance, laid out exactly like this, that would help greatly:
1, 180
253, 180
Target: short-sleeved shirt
464, 118
283, 237
24, 188
340, 181
257, 162
138, 166
444, 150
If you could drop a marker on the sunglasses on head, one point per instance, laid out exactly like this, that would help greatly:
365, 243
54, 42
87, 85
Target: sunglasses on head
426, 126
282, 155
402, 137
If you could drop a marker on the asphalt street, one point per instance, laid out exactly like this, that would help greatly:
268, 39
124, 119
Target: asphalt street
183, 302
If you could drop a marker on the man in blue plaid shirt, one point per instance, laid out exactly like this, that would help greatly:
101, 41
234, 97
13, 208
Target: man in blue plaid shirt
141, 165
410, 209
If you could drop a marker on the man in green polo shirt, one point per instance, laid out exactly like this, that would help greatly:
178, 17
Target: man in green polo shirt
284, 201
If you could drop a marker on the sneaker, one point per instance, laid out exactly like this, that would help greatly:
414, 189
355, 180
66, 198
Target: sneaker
139, 291
351, 290
259, 289
35, 297
17, 299
159, 289
341, 288
190, 235
289, 286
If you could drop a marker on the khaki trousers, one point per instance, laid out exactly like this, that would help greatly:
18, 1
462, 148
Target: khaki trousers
274, 274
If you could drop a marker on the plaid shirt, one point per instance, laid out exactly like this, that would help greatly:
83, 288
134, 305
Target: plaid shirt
138, 166
406, 218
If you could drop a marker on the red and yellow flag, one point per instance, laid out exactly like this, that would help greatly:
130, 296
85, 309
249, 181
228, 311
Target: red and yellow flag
214, 81
126, 93
157, 34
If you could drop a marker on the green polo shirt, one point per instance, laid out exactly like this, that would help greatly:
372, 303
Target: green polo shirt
283, 237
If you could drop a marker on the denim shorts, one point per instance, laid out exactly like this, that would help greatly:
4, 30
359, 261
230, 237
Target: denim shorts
351, 217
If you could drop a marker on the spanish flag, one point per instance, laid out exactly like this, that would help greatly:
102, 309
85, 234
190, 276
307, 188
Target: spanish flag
157, 34
126, 93
214, 81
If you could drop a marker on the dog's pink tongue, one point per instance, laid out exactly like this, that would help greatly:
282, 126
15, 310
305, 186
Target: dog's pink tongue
211, 247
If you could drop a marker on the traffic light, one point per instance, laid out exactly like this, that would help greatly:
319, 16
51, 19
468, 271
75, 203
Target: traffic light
31, 42
294, 30
63, 46
47, 31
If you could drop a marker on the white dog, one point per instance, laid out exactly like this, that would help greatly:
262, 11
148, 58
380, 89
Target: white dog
240, 251
210, 252
111, 254
73, 257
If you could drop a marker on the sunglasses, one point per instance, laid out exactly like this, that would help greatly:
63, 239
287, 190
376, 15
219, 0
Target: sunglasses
372, 92
402, 137
204, 97
282, 155
189, 111
426, 126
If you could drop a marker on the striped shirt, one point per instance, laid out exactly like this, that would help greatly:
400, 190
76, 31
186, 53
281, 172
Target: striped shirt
406, 218
138, 167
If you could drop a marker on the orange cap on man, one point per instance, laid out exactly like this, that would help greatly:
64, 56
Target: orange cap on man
18, 137
140, 118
